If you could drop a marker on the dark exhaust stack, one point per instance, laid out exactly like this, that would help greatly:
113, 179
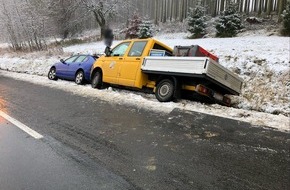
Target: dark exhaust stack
108, 40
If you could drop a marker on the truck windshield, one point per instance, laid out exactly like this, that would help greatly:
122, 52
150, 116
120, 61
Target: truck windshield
121, 49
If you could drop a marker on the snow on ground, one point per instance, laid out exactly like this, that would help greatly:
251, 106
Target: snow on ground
37, 63
262, 61
38, 66
4, 45
149, 102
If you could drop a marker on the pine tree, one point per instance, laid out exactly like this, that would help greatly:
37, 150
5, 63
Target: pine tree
145, 29
133, 28
196, 22
286, 21
229, 23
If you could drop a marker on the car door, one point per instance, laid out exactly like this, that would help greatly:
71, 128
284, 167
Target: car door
111, 64
131, 64
62, 69
75, 65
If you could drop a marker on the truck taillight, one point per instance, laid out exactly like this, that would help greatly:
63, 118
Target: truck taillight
227, 101
203, 89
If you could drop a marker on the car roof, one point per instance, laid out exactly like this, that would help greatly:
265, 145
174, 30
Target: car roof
84, 55
93, 56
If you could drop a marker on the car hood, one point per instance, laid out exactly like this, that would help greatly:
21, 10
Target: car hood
57, 64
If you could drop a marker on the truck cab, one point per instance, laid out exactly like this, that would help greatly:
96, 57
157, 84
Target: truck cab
123, 65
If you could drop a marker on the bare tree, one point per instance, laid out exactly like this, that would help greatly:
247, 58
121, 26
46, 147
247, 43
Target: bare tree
26, 27
102, 10
8, 23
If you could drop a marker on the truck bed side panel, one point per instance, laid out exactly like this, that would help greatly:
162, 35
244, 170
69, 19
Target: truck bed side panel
175, 65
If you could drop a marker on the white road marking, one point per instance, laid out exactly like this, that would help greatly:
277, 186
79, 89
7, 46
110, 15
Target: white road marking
21, 126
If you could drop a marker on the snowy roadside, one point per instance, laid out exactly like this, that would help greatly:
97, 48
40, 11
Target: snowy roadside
148, 101
37, 66
263, 63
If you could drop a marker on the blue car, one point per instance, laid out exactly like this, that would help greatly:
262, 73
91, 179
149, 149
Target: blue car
75, 68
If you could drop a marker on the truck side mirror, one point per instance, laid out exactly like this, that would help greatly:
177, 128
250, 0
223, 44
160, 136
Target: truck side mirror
62, 61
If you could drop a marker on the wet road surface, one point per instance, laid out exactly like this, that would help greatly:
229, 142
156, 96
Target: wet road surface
27, 163
148, 150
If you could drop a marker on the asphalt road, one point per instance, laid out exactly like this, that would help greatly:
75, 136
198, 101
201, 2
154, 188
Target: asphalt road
26, 163
120, 147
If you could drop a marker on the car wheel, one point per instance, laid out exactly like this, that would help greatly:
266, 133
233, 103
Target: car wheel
52, 74
165, 90
97, 80
80, 77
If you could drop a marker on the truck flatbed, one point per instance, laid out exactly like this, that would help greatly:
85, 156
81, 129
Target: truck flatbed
195, 67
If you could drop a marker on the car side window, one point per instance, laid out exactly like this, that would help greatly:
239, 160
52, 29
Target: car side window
137, 49
86, 59
71, 59
80, 59
121, 49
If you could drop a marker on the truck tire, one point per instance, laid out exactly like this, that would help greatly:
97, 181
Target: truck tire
97, 80
165, 90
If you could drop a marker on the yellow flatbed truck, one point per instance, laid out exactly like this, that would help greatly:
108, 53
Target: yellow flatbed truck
148, 63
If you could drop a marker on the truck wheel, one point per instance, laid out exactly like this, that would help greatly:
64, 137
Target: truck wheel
164, 91
97, 80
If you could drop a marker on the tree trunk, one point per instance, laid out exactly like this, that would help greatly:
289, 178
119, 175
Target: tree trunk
256, 4
181, 10
101, 22
164, 11
280, 10
214, 8
222, 6
156, 12
248, 8
260, 7
241, 6
269, 7
265, 5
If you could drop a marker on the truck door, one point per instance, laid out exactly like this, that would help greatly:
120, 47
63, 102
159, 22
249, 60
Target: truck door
111, 64
131, 64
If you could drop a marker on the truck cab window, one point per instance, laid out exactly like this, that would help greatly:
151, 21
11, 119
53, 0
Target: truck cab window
121, 49
137, 49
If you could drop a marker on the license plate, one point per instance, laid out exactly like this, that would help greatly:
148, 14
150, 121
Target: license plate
218, 96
